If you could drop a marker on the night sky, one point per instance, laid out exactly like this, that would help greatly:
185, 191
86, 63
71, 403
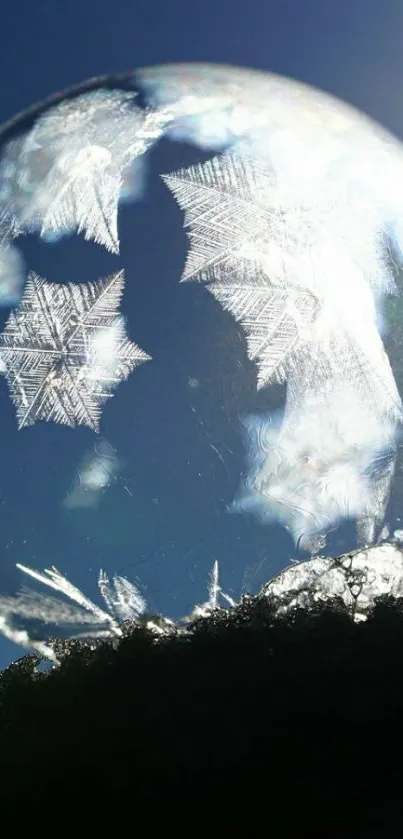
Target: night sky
175, 424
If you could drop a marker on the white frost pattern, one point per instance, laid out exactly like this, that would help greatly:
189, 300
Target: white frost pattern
68, 172
230, 232
11, 262
215, 592
297, 256
85, 619
64, 351
214, 107
357, 579
273, 257
122, 599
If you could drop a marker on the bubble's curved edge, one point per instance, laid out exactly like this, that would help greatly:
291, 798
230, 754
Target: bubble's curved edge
27, 115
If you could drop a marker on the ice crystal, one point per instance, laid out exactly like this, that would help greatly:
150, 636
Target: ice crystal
67, 173
215, 592
122, 597
78, 613
84, 618
357, 579
64, 351
281, 255
295, 253
239, 233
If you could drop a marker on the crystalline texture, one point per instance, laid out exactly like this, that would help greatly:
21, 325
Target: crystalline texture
357, 579
297, 260
52, 351
121, 597
66, 174
235, 229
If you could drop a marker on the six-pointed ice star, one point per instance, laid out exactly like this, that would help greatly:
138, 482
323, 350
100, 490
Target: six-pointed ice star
64, 350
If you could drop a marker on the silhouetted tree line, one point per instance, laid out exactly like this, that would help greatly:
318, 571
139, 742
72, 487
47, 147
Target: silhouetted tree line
293, 720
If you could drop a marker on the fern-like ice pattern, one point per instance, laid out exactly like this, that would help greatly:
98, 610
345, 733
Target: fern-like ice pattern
271, 318
67, 173
241, 231
294, 254
65, 350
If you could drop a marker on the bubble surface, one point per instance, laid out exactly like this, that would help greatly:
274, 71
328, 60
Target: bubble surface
201, 324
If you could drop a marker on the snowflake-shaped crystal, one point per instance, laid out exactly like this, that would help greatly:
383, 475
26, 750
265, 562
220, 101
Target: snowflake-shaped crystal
65, 349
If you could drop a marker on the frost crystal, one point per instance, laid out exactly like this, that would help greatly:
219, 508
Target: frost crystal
215, 592
68, 172
295, 251
121, 597
64, 351
239, 232
11, 262
357, 579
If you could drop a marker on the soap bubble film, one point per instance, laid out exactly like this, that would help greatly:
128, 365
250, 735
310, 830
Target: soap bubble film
200, 292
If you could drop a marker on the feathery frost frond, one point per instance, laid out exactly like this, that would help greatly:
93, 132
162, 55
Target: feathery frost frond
292, 248
214, 594
81, 616
243, 230
78, 614
121, 597
68, 172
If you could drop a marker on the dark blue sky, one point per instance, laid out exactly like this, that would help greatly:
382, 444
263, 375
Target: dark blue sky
350, 47
353, 50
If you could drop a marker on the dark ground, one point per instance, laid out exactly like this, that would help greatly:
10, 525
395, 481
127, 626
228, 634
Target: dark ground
296, 723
